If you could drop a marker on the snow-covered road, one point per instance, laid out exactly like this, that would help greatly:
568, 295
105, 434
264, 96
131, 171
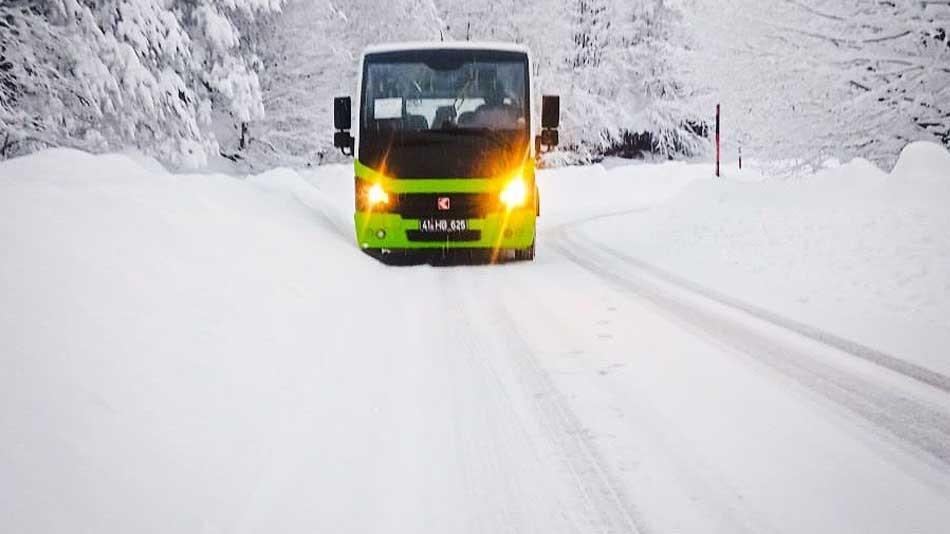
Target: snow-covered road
205, 354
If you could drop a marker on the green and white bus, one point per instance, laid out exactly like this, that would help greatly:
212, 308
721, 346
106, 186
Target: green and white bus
445, 145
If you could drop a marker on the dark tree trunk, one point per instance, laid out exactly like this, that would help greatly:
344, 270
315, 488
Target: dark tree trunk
5, 146
243, 143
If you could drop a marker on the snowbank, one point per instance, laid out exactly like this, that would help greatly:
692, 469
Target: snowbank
852, 250
574, 193
205, 353
923, 161
153, 335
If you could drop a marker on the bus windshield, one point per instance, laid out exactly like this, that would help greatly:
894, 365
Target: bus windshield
416, 96
433, 113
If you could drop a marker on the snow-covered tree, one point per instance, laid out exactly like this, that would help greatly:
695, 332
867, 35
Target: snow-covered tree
590, 52
813, 79
653, 45
304, 62
625, 77
308, 55
53, 86
894, 59
587, 80
108, 74
591, 33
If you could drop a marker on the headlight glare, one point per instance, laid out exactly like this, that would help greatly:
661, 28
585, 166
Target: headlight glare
376, 195
514, 194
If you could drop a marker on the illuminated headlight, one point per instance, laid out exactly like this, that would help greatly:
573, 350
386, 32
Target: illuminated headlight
376, 195
514, 193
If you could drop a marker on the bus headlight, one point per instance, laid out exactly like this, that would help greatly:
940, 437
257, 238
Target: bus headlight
514, 194
376, 195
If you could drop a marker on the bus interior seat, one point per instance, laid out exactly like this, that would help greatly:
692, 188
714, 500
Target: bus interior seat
495, 116
444, 117
466, 118
416, 122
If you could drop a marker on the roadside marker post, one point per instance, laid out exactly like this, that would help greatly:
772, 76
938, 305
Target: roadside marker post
717, 140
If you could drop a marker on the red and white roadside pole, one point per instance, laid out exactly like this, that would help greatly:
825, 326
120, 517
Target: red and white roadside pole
717, 140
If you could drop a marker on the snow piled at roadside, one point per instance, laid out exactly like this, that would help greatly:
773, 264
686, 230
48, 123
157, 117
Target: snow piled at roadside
851, 250
198, 353
156, 334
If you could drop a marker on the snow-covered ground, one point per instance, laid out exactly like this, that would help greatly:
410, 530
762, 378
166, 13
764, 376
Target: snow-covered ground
852, 250
200, 353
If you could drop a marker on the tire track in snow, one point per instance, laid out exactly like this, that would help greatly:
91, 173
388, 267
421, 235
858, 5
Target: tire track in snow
486, 427
634, 434
925, 428
877, 357
609, 511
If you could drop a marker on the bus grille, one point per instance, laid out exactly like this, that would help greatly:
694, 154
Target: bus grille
443, 237
461, 205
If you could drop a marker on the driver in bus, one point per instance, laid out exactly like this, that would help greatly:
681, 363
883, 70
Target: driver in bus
495, 114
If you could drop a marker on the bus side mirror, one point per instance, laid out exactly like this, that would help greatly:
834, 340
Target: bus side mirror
550, 112
345, 142
550, 120
342, 121
342, 110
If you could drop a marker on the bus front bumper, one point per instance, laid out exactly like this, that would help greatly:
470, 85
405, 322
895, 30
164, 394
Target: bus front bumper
497, 231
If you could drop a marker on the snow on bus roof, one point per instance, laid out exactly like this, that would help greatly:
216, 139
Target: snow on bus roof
446, 45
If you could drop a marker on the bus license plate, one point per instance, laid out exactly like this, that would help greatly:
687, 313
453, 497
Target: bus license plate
443, 225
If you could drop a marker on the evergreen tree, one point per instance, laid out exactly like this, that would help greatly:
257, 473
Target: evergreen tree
150, 74
653, 44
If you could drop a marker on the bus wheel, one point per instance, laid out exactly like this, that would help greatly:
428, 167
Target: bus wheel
525, 254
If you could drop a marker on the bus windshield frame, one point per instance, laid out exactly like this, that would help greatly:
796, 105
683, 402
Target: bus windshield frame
445, 113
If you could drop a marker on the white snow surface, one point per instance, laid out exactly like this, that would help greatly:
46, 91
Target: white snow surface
851, 250
206, 353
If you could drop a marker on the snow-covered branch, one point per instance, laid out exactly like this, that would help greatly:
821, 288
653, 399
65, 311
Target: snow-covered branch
101, 75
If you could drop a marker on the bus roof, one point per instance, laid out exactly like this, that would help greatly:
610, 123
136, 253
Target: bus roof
445, 45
